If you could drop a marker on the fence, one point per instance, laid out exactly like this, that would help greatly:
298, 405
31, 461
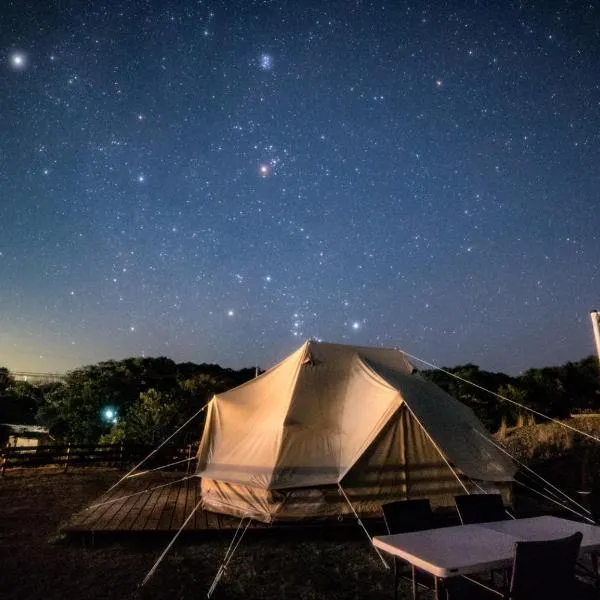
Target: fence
108, 455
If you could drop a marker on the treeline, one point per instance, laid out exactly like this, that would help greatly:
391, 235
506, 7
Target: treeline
553, 391
143, 400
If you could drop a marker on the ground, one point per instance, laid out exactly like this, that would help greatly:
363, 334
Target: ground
37, 563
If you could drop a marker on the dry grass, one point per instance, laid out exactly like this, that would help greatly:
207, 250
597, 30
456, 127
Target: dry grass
546, 441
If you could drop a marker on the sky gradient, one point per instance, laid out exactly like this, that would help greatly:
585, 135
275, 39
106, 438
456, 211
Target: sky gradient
219, 181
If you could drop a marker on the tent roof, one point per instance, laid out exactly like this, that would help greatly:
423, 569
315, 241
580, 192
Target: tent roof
307, 420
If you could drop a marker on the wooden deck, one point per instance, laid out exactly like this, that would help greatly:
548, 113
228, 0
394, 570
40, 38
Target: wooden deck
134, 506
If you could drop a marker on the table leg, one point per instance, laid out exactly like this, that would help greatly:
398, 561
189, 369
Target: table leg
436, 588
414, 581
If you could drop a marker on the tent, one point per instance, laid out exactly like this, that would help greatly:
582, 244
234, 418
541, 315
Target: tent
332, 419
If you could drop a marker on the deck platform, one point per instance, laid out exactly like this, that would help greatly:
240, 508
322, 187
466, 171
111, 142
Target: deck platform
153, 502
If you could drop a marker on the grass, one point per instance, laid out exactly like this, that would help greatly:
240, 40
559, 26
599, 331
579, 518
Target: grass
38, 564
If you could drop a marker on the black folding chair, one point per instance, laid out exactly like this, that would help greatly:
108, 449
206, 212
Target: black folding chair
545, 569
480, 508
541, 570
405, 516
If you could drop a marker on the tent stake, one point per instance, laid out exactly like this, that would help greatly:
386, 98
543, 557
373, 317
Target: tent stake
228, 555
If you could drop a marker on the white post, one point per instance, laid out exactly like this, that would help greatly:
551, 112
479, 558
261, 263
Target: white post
596, 326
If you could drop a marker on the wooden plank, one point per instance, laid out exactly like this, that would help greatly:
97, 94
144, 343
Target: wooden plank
162, 496
119, 508
211, 520
136, 507
93, 515
134, 485
192, 497
149, 507
166, 516
179, 513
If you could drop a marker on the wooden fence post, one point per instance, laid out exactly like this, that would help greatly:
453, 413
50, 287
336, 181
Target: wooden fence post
67, 458
189, 456
121, 454
5, 458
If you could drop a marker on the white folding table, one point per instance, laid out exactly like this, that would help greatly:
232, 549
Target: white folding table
469, 549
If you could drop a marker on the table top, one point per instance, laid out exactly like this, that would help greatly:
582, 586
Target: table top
469, 549
547, 528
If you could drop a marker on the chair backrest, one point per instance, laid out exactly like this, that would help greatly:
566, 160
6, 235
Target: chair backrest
480, 508
404, 516
545, 569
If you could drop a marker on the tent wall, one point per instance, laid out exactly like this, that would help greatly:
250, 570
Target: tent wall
401, 463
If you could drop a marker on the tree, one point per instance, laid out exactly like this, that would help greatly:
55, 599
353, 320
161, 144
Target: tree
149, 421
6, 379
20, 402
74, 409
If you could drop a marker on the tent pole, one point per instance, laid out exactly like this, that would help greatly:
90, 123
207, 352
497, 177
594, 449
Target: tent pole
362, 525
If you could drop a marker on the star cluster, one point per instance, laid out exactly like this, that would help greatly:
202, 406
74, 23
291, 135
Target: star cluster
218, 181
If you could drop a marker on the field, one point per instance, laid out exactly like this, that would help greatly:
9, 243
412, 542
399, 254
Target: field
35, 563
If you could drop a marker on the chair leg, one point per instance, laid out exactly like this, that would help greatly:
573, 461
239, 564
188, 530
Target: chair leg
396, 578
414, 581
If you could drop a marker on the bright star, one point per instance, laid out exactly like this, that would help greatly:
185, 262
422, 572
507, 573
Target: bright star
230, 313
18, 60
264, 170
355, 325
266, 62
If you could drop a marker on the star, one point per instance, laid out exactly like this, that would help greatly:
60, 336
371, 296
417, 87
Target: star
264, 170
18, 60
266, 62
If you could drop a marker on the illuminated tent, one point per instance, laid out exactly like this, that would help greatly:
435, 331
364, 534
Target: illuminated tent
330, 418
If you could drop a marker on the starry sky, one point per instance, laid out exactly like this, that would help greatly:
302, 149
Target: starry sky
218, 181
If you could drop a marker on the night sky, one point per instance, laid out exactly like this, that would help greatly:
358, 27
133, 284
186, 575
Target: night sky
220, 181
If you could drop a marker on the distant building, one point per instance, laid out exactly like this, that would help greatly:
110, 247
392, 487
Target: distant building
37, 378
25, 435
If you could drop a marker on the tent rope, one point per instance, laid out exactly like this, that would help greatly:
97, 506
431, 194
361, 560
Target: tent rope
521, 464
557, 498
178, 462
170, 545
156, 487
233, 545
112, 487
550, 499
523, 406
460, 481
359, 520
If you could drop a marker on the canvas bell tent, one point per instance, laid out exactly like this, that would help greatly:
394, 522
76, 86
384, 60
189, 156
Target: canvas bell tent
332, 423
